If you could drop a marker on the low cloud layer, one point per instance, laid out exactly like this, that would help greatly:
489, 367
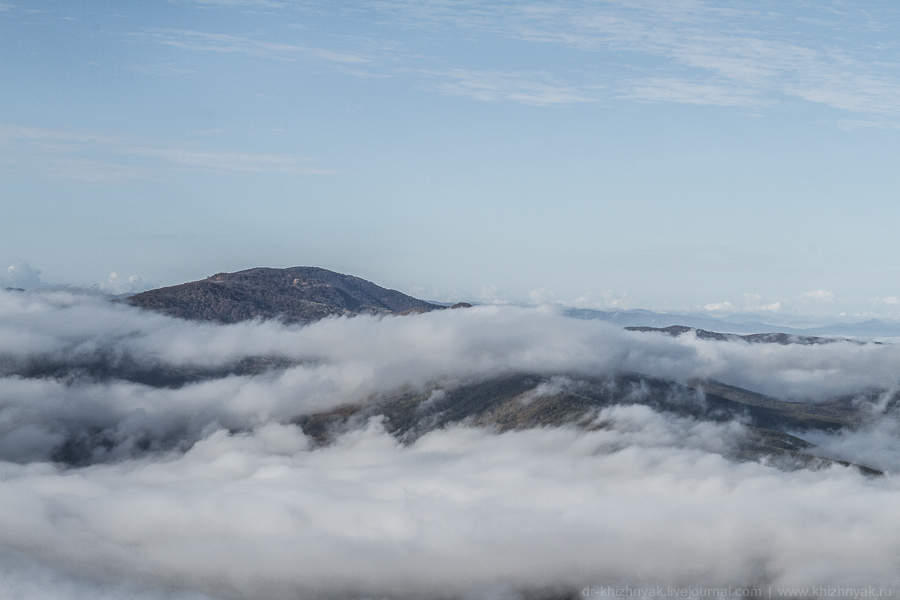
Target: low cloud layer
88, 362
192, 482
462, 511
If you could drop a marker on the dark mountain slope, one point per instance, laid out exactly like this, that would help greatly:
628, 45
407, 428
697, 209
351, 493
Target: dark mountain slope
523, 401
297, 294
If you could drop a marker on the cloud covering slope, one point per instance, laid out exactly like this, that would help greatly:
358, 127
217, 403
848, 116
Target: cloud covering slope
201, 486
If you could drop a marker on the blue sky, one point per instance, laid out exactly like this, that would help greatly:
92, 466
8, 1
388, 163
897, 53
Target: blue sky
719, 156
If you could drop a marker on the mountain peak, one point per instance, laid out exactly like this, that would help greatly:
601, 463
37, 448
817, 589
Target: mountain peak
294, 294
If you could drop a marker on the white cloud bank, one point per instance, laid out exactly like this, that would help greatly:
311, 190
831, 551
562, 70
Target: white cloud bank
340, 361
211, 493
460, 512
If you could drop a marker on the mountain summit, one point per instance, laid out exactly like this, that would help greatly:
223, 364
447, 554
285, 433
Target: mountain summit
296, 294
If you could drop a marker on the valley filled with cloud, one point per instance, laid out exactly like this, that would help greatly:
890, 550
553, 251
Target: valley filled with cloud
145, 456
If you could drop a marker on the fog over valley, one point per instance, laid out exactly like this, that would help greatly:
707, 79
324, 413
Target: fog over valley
489, 451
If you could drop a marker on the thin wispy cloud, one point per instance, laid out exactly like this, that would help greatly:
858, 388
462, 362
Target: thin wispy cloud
98, 158
54, 136
233, 162
224, 43
668, 89
88, 170
712, 55
534, 88
163, 70
237, 3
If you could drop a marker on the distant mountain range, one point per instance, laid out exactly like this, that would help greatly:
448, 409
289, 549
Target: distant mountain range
306, 294
774, 428
296, 294
754, 338
740, 324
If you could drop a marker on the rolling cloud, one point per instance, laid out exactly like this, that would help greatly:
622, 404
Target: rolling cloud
192, 482
461, 511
